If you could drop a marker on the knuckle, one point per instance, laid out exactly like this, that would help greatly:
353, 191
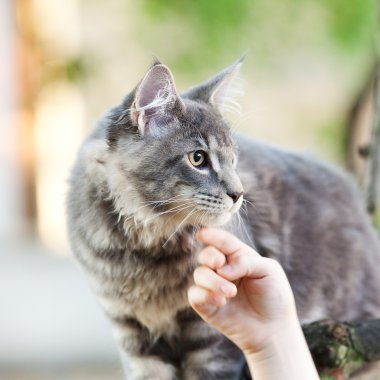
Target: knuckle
220, 259
274, 263
240, 259
271, 261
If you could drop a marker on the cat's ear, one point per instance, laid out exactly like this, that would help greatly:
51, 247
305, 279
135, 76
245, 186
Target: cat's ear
221, 90
156, 101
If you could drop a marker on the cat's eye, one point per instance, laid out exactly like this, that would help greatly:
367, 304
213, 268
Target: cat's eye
197, 158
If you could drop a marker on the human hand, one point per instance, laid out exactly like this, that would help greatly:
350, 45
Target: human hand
244, 295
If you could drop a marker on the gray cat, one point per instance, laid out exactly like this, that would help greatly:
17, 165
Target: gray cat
159, 166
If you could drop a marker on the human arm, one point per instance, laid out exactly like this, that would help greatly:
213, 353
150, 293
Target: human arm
248, 298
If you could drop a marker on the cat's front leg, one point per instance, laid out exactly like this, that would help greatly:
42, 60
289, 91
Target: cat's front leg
208, 355
143, 359
147, 368
219, 361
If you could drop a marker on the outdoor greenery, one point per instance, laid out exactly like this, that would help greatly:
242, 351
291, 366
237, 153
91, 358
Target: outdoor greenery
229, 27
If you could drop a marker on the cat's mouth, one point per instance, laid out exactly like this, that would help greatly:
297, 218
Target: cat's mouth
217, 220
198, 210
210, 210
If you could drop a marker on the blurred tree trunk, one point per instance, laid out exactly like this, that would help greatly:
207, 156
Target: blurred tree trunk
373, 186
363, 141
363, 134
358, 128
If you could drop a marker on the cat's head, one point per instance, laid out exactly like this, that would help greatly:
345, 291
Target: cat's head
172, 155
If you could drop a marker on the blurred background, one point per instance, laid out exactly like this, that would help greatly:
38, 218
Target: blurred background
308, 80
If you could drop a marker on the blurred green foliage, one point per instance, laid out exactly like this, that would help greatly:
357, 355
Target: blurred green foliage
331, 137
351, 24
222, 30
215, 25
196, 35
73, 70
76, 69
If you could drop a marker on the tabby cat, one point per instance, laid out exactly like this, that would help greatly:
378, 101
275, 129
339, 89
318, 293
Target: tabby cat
160, 165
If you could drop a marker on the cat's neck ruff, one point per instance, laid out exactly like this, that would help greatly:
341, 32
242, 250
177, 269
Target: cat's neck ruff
155, 234
142, 226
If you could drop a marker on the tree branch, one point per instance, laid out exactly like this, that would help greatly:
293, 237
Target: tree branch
340, 349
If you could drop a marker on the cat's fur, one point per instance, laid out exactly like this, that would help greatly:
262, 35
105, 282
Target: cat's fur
136, 199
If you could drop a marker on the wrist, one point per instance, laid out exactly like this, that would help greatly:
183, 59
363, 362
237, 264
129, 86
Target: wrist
273, 333
280, 333
274, 360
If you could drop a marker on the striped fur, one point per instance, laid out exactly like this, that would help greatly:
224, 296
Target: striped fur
136, 201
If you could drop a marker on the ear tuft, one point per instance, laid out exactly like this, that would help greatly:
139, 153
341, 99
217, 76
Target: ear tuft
228, 90
221, 90
156, 61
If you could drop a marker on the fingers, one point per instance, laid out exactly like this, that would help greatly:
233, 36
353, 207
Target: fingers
210, 292
247, 265
222, 240
231, 258
211, 257
201, 299
206, 278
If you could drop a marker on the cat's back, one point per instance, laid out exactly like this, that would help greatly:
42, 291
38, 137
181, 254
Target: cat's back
311, 217
270, 161
287, 175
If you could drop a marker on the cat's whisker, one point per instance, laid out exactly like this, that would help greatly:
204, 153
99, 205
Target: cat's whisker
196, 228
239, 219
157, 216
154, 207
185, 203
179, 226
147, 206
244, 209
175, 209
243, 228
202, 219
174, 198
247, 202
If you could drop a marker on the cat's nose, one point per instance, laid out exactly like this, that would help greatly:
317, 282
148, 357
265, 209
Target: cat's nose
235, 196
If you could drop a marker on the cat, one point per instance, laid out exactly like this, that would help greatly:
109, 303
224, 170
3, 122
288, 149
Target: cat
162, 164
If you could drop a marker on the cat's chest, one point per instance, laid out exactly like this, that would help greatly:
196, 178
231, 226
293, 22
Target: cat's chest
155, 290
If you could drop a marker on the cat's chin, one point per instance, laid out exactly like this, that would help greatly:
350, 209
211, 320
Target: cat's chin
213, 220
